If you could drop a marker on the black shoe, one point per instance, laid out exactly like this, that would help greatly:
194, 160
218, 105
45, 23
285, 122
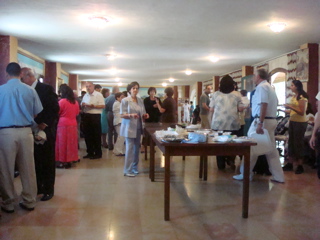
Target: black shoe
299, 169
46, 197
6, 210
110, 148
25, 207
96, 157
221, 163
60, 165
16, 174
88, 156
288, 167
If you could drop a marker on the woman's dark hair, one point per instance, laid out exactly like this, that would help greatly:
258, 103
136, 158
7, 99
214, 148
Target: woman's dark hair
300, 90
226, 84
309, 109
169, 91
125, 93
66, 92
244, 92
104, 91
118, 94
152, 89
131, 85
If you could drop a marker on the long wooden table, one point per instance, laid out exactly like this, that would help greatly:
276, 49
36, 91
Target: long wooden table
200, 149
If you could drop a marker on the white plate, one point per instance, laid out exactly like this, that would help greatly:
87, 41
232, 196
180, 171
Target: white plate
240, 140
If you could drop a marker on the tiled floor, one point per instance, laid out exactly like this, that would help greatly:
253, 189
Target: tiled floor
94, 201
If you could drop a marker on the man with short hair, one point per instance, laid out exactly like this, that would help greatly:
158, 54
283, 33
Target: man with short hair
204, 108
264, 110
97, 87
112, 134
19, 104
44, 154
93, 104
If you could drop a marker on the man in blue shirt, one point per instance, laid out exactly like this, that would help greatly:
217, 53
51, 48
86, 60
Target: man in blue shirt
19, 104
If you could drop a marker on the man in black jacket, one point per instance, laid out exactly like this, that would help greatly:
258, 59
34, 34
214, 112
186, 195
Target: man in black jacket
44, 154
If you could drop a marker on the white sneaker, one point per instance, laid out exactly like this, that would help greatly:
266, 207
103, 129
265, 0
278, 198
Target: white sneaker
135, 172
129, 175
240, 177
276, 181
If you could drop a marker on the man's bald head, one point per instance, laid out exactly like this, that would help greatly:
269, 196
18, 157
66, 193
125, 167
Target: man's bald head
115, 89
90, 87
27, 76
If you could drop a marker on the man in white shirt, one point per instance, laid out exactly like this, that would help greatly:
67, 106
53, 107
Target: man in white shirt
264, 110
186, 110
92, 103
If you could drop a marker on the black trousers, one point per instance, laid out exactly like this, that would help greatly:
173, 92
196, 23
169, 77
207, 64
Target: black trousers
112, 133
92, 133
44, 158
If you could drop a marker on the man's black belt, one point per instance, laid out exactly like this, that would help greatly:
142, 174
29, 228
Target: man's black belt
16, 126
268, 117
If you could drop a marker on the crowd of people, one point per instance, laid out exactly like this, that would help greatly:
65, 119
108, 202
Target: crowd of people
40, 130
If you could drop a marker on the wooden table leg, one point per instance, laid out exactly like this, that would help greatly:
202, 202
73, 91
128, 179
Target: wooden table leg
246, 181
201, 167
205, 167
147, 137
167, 187
151, 164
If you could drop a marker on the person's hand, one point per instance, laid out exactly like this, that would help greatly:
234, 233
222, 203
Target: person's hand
42, 126
312, 142
83, 104
259, 129
134, 115
145, 116
286, 105
155, 105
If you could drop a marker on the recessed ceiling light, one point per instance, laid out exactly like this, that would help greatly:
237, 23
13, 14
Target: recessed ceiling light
164, 84
120, 84
111, 56
214, 59
99, 21
113, 71
171, 79
188, 72
117, 79
277, 26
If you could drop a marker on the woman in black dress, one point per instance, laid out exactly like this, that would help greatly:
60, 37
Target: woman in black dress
151, 107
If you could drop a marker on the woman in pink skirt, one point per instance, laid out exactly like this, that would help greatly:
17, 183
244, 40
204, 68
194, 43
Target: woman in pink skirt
67, 132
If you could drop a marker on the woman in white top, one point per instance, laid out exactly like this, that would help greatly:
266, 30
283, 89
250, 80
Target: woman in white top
119, 147
133, 114
225, 105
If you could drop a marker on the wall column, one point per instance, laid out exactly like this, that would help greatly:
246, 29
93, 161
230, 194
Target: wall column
216, 81
199, 91
175, 95
247, 70
51, 76
187, 92
8, 53
73, 81
313, 79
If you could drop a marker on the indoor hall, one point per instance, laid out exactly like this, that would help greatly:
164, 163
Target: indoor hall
93, 200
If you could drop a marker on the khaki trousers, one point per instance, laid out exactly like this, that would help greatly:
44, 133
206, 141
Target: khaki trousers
16, 148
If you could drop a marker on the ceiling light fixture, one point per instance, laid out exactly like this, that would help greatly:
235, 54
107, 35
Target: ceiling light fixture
113, 71
214, 59
277, 26
99, 21
111, 56
188, 72
171, 79
117, 79
164, 84
120, 84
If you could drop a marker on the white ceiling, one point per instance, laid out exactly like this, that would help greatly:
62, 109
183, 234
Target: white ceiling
158, 39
